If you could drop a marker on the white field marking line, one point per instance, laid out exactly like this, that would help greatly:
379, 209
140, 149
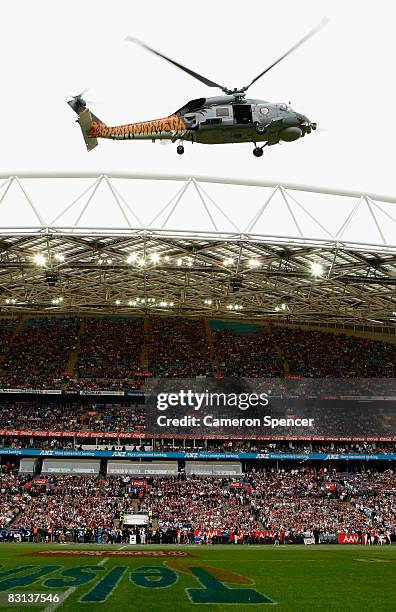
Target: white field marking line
103, 561
62, 598
71, 590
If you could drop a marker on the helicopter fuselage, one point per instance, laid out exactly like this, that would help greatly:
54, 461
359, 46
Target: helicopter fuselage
216, 120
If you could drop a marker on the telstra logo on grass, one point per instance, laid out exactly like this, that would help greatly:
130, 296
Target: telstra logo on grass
103, 582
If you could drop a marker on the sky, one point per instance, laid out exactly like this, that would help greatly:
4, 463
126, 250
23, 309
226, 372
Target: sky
342, 78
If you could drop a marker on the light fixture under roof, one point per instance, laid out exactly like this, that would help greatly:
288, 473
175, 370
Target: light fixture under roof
40, 259
316, 269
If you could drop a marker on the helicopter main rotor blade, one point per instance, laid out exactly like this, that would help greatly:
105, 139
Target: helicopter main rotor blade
321, 25
201, 78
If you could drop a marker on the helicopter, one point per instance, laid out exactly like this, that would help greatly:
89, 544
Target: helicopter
227, 118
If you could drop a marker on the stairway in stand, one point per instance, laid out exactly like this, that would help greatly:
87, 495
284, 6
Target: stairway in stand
73, 356
279, 352
213, 356
144, 356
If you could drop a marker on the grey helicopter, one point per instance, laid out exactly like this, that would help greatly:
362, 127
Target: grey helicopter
223, 119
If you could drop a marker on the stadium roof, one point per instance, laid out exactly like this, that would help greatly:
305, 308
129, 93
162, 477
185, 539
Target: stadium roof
131, 244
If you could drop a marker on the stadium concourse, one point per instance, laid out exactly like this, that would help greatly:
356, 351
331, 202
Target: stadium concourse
93, 308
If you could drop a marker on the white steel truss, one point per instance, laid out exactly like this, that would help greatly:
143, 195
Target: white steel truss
200, 246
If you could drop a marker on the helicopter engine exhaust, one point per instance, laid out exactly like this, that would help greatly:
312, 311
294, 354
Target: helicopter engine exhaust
290, 133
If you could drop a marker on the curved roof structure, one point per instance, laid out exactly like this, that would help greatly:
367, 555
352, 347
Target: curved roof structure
132, 243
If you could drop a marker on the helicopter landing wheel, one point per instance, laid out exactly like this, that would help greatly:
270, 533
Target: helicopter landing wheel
180, 149
258, 151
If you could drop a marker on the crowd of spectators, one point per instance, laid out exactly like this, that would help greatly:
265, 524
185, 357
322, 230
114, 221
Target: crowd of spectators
70, 501
298, 500
304, 499
39, 354
178, 348
13, 497
7, 327
204, 503
110, 351
47, 416
320, 354
250, 354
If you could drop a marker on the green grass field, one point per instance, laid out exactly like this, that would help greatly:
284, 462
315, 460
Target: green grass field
292, 578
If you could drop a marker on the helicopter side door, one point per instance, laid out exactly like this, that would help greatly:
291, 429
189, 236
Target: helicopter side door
242, 114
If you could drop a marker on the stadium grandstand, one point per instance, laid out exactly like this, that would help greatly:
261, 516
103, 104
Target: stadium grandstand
110, 282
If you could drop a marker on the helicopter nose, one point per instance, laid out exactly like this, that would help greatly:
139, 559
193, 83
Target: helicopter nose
291, 120
306, 123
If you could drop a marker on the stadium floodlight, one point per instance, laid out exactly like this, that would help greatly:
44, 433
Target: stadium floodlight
100, 261
131, 259
208, 302
284, 306
109, 261
40, 259
118, 302
254, 263
167, 258
155, 258
163, 304
316, 269
11, 301
228, 261
189, 262
59, 257
179, 261
141, 262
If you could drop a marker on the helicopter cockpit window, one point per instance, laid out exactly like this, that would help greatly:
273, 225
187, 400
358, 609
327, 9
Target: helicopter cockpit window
285, 107
192, 105
222, 112
264, 110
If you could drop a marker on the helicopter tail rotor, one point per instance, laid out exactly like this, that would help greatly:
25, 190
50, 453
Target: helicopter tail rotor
77, 103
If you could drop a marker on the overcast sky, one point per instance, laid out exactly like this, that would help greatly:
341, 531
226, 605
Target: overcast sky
343, 79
